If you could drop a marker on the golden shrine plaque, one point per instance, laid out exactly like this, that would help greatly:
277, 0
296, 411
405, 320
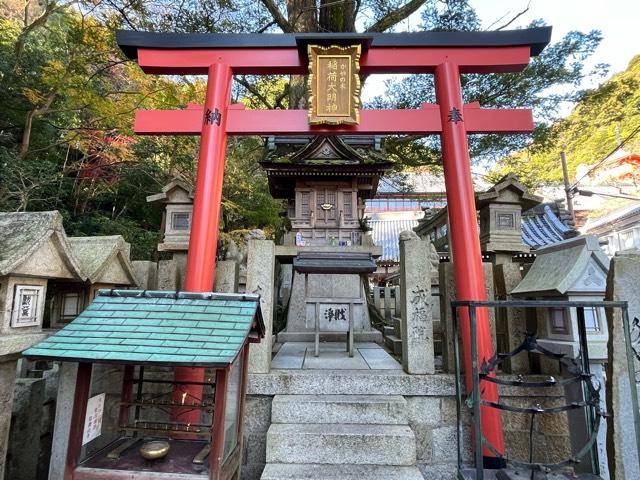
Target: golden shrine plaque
334, 85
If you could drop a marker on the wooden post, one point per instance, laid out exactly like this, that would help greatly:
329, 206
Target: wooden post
243, 391
567, 186
127, 388
203, 239
80, 399
465, 244
217, 434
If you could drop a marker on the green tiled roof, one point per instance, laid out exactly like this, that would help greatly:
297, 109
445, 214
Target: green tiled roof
157, 327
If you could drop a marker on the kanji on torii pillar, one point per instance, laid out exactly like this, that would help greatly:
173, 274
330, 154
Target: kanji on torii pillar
444, 54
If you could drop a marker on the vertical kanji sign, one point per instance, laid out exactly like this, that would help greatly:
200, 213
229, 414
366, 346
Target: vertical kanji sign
334, 85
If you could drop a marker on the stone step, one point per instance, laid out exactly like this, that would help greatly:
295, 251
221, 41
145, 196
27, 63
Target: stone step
346, 409
394, 344
284, 471
341, 444
387, 330
397, 326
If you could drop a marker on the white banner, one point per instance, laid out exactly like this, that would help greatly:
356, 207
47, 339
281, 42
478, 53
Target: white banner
93, 418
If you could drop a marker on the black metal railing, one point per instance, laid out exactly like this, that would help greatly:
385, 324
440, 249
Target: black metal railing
578, 368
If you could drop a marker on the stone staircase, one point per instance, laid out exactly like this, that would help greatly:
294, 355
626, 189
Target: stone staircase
393, 336
340, 437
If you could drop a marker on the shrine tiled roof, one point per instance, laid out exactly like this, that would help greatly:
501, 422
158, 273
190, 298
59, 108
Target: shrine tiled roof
97, 253
542, 228
332, 151
334, 262
386, 234
157, 327
22, 234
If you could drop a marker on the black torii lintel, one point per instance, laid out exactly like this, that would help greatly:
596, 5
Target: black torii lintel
535, 38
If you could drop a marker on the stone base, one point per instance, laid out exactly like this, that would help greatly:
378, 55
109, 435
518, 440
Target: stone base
334, 289
522, 474
430, 413
15, 344
283, 471
341, 444
372, 336
394, 344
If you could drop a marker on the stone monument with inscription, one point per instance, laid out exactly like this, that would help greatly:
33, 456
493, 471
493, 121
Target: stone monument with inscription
622, 439
415, 292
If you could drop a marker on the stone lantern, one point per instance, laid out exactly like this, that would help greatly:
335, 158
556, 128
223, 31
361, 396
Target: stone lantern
571, 270
177, 198
500, 209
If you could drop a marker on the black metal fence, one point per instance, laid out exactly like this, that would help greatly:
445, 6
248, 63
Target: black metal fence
578, 368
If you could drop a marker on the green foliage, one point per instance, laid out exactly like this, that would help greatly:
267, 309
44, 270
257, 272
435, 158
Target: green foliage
66, 139
68, 97
600, 120
364, 225
246, 199
68, 101
550, 81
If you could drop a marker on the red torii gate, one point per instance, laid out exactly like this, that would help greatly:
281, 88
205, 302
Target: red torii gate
444, 54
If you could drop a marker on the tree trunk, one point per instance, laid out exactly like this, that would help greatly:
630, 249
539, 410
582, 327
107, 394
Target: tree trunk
302, 16
28, 123
337, 16
331, 16
26, 134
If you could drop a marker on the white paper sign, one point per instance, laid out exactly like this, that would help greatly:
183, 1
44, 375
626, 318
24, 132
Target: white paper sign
334, 318
93, 418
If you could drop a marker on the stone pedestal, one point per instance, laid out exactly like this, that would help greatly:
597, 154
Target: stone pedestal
64, 408
8, 366
24, 446
260, 280
167, 275
180, 259
448, 294
146, 274
341, 289
415, 294
511, 322
226, 280
622, 284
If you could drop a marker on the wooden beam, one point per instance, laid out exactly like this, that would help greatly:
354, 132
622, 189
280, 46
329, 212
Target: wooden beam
288, 61
420, 121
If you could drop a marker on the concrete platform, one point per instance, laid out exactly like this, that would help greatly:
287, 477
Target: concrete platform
333, 356
523, 474
374, 382
283, 471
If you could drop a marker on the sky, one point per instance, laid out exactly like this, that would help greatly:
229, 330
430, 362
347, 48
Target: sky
618, 20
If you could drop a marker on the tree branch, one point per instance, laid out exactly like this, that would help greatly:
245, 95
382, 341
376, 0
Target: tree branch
266, 27
49, 9
518, 15
395, 16
277, 16
253, 90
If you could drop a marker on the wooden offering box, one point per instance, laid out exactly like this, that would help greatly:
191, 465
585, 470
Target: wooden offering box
147, 335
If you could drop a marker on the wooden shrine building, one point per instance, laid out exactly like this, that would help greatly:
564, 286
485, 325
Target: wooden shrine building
143, 426
324, 181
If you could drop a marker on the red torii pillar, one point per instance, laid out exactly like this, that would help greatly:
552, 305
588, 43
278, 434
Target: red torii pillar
216, 56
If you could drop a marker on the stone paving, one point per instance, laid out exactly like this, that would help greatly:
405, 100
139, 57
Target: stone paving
333, 356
